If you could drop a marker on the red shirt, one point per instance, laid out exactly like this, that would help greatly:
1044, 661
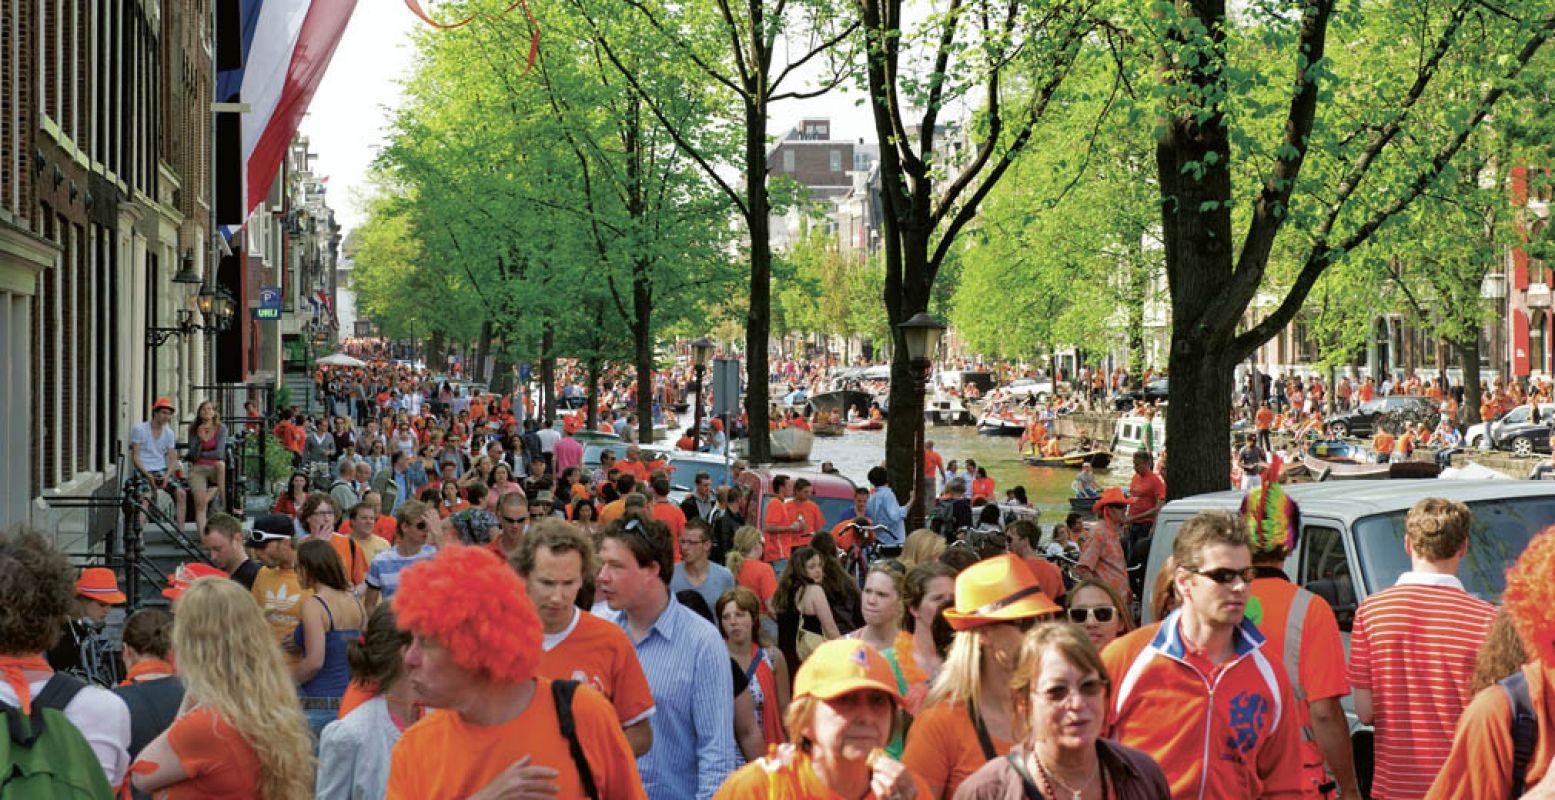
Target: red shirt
1147, 491
673, 518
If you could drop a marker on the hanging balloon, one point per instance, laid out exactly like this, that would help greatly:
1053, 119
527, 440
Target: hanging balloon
534, 26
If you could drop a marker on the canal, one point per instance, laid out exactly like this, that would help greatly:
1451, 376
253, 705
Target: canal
1048, 488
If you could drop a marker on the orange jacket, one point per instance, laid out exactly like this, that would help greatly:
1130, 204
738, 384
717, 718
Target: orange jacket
1234, 736
1480, 764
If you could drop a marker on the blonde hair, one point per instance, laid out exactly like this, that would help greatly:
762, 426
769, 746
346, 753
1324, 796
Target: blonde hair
923, 546
961, 679
744, 539
1070, 642
229, 663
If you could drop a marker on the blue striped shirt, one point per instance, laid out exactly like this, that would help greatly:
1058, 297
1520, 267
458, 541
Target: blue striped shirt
688, 672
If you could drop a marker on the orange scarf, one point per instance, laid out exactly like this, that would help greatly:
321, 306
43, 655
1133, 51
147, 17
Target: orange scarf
13, 670
146, 666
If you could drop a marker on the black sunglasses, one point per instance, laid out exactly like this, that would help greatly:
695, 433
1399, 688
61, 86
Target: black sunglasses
1101, 614
1224, 575
514, 520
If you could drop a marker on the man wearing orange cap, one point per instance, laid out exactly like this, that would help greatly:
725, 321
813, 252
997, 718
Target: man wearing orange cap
499, 728
82, 649
839, 720
1236, 739
1101, 550
966, 719
154, 452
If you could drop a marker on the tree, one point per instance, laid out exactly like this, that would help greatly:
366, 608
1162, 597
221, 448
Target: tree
929, 189
735, 49
1343, 160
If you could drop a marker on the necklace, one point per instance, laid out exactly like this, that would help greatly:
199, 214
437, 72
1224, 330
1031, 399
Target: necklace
1049, 778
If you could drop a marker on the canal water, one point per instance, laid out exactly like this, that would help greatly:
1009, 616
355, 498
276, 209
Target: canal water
855, 452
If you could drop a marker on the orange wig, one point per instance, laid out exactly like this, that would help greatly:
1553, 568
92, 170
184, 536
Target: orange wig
1530, 595
471, 603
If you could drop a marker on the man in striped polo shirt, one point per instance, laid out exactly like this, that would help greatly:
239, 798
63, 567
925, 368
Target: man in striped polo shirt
1412, 651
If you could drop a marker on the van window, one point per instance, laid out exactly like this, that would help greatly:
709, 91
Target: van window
1324, 570
1500, 531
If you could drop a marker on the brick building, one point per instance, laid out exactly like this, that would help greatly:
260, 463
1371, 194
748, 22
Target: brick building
103, 199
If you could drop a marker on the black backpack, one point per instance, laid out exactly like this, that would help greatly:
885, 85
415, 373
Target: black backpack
1525, 728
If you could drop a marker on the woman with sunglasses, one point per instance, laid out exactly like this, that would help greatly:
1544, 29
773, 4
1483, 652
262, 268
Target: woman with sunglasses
1096, 607
966, 720
1059, 698
415, 522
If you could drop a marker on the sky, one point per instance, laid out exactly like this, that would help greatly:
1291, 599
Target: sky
350, 112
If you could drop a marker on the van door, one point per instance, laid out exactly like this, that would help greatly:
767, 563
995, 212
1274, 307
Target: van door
1322, 564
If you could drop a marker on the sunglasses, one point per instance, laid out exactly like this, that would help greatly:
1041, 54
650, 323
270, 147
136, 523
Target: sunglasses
1058, 693
515, 520
1079, 616
1225, 575
421, 525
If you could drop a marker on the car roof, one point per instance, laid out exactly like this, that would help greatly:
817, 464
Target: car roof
835, 485
1355, 499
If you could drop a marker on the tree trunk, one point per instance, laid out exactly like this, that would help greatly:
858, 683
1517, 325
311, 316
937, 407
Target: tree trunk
592, 413
548, 373
642, 352
1468, 350
1138, 291
758, 320
477, 370
905, 297
437, 352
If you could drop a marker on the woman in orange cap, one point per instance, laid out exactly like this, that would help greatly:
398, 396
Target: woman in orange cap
840, 718
1101, 549
966, 720
1059, 694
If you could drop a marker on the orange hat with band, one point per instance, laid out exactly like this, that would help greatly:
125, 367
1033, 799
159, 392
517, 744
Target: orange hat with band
844, 666
998, 589
187, 574
99, 583
1111, 497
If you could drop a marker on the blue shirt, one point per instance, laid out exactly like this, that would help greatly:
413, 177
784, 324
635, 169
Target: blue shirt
884, 510
384, 573
688, 672
719, 580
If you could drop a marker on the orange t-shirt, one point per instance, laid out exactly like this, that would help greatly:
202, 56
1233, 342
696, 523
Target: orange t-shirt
778, 543
385, 528
1383, 443
983, 487
758, 577
215, 756
1321, 666
786, 773
807, 512
673, 518
933, 462
598, 654
942, 747
442, 757
636, 469
1048, 576
1264, 419
352, 557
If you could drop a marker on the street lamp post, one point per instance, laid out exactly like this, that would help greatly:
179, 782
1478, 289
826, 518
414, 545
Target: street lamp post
921, 335
700, 350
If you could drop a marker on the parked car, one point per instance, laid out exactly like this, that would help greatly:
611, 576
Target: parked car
1352, 545
1153, 392
1389, 413
1477, 433
1523, 439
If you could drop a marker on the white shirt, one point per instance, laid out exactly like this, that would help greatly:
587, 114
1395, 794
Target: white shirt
354, 753
102, 718
153, 448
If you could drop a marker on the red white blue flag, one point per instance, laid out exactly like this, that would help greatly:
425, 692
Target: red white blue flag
287, 45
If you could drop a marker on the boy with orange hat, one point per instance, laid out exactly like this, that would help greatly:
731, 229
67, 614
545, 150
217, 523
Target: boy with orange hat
82, 650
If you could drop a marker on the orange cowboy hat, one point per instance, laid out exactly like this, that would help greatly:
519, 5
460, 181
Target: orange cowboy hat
187, 574
844, 666
99, 583
1111, 497
998, 589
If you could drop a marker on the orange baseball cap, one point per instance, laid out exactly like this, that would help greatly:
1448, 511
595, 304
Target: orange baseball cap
187, 574
99, 583
844, 666
162, 402
998, 589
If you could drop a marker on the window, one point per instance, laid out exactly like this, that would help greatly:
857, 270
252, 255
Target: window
1500, 531
1325, 571
836, 161
1537, 356
788, 161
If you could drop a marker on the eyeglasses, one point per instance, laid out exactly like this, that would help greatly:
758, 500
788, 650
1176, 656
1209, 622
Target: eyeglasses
515, 520
1225, 575
422, 525
1080, 616
1059, 692
684, 542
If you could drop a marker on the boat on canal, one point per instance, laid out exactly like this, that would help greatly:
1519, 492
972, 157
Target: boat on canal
1099, 459
847, 403
792, 444
1338, 460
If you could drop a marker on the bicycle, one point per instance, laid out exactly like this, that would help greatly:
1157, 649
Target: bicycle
860, 555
